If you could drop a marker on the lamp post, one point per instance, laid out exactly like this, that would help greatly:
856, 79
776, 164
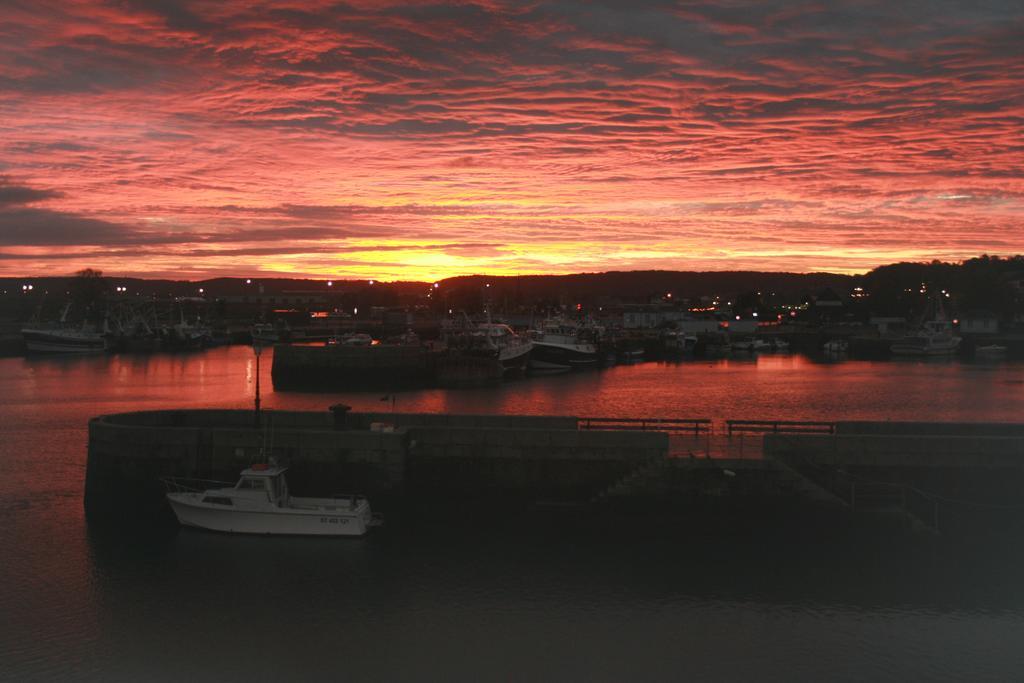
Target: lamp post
257, 348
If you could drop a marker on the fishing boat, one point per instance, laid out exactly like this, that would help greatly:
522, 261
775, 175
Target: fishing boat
63, 339
677, 341
261, 504
934, 338
561, 345
513, 350
488, 340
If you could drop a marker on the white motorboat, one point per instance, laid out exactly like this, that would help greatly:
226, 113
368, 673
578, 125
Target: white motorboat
990, 351
260, 504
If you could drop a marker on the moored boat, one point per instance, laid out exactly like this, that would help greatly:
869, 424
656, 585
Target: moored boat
513, 350
561, 345
63, 341
261, 504
990, 351
751, 345
489, 340
677, 341
61, 338
935, 338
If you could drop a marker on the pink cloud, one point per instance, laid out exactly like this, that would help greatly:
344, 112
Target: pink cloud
708, 137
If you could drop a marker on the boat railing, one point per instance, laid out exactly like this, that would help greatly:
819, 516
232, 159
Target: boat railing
355, 497
193, 485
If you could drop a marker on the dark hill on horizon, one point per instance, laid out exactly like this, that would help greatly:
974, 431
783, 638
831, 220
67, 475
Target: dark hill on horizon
623, 285
644, 284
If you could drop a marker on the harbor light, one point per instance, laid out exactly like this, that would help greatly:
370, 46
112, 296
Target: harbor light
201, 290
372, 282
248, 281
755, 314
330, 283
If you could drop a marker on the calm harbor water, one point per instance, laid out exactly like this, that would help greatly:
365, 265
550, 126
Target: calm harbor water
534, 594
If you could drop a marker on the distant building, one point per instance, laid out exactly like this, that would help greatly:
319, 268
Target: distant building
295, 298
979, 322
887, 325
651, 316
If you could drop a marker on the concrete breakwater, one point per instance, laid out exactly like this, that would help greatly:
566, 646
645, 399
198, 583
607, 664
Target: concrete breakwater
925, 470
379, 454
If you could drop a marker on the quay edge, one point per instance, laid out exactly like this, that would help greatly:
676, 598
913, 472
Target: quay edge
931, 472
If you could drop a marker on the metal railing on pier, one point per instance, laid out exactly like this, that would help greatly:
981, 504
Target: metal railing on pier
676, 425
778, 427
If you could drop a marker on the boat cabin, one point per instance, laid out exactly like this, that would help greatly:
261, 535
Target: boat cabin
259, 484
264, 480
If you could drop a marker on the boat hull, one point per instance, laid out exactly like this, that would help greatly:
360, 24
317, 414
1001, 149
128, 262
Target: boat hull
515, 359
281, 521
549, 357
910, 349
37, 341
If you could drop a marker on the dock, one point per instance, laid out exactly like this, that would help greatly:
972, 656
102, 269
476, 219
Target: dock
928, 472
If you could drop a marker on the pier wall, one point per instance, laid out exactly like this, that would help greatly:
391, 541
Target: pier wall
372, 453
926, 445
129, 453
491, 457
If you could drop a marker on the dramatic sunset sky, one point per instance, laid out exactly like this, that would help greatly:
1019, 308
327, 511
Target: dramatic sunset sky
421, 140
